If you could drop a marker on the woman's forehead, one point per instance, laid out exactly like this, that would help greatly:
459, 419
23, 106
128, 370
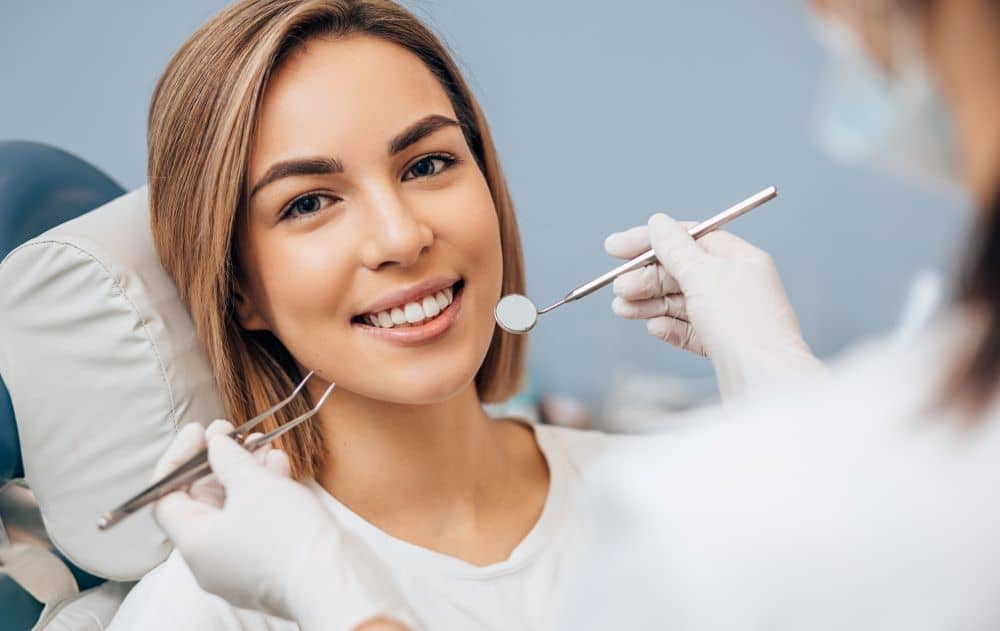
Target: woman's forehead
348, 93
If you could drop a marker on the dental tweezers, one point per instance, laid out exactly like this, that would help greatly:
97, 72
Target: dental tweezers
198, 466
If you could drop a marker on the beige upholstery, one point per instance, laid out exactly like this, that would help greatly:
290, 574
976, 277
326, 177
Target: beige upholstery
102, 365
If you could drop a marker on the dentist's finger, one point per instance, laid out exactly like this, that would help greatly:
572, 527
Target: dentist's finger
208, 490
679, 333
178, 513
628, 244
673, 305
676, 250
260, 454
232, 463
277, 463
651, 281
189, 440
217, 428
633, 242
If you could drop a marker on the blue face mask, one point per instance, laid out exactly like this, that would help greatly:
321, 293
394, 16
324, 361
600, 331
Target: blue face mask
895, 120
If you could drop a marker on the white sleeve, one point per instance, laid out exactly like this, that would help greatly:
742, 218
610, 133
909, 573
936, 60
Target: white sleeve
169, 598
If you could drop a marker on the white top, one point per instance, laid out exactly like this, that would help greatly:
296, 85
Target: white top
443, 592
851, 502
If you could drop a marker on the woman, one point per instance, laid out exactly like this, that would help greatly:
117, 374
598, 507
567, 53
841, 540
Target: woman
863, 499
326, 196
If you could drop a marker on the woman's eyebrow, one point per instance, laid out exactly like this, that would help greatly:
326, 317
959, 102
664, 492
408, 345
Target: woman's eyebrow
300, 166
326, 166
420, 130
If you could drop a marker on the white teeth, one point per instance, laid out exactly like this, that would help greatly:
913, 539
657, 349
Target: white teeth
414, 313
442, 300
430, 306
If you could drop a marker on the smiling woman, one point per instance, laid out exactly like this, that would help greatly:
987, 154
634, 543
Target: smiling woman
326, 196
264, 149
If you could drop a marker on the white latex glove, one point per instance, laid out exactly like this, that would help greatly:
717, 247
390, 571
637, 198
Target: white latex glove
262, 541
719, 297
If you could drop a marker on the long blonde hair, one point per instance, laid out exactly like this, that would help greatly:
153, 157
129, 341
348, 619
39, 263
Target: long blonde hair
201, 124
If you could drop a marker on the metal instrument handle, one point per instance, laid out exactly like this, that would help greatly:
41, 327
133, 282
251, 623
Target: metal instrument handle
696, 232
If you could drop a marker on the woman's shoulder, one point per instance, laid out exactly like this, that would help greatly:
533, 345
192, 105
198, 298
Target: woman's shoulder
169, 597
580, 447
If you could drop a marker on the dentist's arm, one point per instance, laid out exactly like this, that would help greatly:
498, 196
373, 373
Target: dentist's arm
262, 541
718, 296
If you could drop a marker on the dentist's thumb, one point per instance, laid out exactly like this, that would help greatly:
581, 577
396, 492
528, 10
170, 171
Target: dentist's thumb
675, 249
231, 463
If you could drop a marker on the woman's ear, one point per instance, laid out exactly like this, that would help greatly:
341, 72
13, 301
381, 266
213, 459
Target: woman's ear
247, 313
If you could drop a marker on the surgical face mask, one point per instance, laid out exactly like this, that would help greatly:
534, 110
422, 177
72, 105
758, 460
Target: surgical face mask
895, 120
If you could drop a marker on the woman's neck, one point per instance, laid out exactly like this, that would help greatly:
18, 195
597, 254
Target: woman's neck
423, 473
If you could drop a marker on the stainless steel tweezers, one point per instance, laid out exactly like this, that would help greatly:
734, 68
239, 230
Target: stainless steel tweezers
198, 467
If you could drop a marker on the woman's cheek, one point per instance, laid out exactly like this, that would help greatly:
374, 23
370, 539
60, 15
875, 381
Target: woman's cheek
307, 283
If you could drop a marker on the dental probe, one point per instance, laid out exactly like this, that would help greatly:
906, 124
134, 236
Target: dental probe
516, 313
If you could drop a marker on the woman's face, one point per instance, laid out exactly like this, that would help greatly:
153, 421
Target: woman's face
371, 247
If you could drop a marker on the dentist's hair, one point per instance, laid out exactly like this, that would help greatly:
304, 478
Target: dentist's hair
975, 380
201, 125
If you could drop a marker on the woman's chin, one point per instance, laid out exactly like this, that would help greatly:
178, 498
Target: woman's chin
417, 387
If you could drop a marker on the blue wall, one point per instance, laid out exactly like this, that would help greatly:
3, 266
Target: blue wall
602, 115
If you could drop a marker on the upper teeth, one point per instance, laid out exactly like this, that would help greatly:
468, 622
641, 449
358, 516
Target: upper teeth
412, 312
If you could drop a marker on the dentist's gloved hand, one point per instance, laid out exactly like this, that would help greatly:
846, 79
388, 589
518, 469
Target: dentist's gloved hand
262, 541
719, 297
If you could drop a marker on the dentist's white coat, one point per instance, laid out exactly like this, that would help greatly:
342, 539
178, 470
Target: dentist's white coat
849, 502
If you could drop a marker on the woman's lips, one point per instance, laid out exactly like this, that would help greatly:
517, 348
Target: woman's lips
417, 334
400, 297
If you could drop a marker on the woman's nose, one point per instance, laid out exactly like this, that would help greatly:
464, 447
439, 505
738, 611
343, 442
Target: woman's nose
398, 234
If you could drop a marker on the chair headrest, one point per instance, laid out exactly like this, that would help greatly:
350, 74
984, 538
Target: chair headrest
103, 366
40, 187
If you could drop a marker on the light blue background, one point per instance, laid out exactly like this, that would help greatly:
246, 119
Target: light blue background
603, 113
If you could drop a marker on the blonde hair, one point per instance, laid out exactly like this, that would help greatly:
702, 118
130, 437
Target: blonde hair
201, 124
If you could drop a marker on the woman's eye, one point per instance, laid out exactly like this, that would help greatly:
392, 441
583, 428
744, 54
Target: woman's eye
429, 166
306, 205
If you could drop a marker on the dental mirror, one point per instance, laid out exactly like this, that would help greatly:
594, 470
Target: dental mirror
517, 314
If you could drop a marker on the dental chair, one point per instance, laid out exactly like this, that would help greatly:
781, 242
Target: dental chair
99, 367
